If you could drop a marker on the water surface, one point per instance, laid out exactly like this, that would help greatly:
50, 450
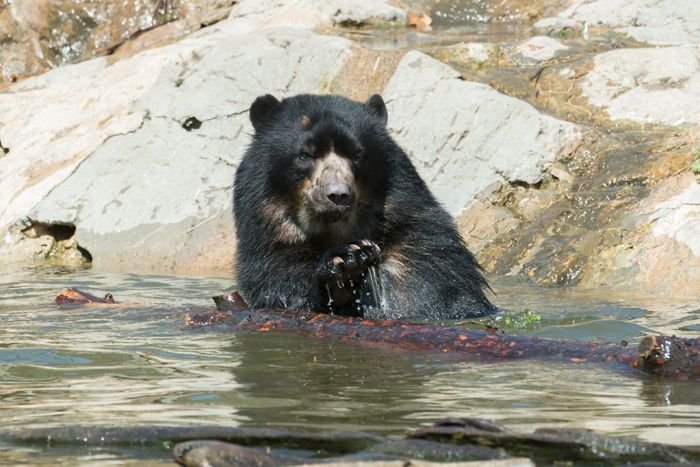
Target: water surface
140, 365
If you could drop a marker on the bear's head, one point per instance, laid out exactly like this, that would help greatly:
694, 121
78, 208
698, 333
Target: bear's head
325, 158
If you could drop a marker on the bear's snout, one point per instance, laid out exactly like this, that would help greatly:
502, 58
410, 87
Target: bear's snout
339, 193
333, 186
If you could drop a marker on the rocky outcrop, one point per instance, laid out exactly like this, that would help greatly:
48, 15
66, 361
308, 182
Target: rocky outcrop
660, 254
139, 155
539, 48
656, 22
459, 133
647, 85
134, 154
39, 35
141, 158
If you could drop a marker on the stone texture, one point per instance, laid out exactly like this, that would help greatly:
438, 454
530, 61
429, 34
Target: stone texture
540, 48
660, 252
469, 55
314, 13
679, 217
648, 85
103, 146
459, 134
41, 34
483, 222
657, 22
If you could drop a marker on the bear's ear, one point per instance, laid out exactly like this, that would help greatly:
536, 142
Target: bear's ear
262, 108
376, 105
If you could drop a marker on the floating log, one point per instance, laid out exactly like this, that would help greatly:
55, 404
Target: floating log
663, 356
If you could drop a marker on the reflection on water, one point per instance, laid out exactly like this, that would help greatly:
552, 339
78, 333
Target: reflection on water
140, 365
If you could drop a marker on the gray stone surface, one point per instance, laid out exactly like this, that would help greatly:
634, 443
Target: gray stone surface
539, 48
313, 13
657, 22
104, 147
649, 85
460, 134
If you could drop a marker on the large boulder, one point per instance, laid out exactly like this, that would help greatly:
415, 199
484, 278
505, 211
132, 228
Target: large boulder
647, 85
460, 135
38, 35
657, 22
140, 155
660, 255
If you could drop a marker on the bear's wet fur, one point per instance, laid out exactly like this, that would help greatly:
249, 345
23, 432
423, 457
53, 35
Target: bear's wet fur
322, 196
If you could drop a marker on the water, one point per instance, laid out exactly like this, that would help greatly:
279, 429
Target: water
140, 365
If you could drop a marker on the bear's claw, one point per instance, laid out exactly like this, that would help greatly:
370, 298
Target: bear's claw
345, 263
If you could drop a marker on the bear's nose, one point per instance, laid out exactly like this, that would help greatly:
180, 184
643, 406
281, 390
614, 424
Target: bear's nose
339, 194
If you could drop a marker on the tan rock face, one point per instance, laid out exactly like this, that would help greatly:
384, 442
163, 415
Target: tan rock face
40, 34
660, 254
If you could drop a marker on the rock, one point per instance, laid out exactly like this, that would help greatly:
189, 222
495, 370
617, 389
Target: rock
40, 35
557, 26
109, 148
459, 134
679, 217
37, 241
657, 22
483, 222
469, 54
660, 253
314, 13
540, 48
648, 85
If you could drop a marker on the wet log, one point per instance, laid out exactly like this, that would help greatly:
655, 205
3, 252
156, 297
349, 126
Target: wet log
79, 297
663, 356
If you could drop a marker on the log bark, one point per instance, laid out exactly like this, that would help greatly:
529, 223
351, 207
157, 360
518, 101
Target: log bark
663, 356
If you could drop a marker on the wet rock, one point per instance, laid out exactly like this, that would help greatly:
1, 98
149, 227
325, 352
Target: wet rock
648, 85
40, 35
659, 254
552, 445
314, 13
473, 135
539, 48
557, 26
469, 55
208, 453
429, 450
336, 442
29, 241
657, 22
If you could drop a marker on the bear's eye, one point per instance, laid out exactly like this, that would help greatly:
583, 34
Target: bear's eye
304, 155
356, 156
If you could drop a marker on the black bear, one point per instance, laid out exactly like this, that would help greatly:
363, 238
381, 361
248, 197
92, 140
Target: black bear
332, 216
